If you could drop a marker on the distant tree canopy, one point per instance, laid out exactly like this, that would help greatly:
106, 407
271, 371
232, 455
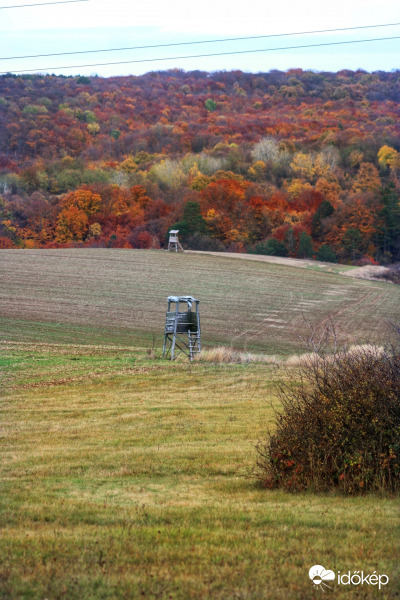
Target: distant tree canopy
290, 163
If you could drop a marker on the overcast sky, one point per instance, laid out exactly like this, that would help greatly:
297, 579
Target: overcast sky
100, 24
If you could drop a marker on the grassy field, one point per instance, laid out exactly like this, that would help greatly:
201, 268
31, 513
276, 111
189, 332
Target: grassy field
119, 297
125, 476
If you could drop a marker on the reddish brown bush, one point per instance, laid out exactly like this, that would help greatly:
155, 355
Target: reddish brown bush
340, 427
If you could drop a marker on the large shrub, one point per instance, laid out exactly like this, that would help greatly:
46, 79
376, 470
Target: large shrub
340, 424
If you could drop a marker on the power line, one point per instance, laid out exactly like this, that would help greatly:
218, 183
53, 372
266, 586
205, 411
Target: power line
235, 39
41, 4
147, 60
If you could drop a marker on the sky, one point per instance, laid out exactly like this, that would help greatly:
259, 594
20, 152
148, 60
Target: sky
106, 24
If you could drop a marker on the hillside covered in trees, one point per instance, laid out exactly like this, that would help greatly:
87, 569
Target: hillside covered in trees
300, 163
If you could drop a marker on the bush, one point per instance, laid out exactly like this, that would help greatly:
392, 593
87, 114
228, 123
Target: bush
340, 425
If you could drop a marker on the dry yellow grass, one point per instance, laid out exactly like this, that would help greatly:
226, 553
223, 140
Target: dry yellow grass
136, 482
222, 354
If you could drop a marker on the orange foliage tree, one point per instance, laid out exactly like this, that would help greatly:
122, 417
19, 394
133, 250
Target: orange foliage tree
223, 205
367, 180
73, 220
72, 225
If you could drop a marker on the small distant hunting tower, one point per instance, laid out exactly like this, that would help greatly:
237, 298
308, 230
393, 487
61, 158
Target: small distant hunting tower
182, 329
173, 242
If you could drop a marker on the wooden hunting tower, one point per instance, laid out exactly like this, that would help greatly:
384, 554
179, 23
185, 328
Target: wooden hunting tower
182, 328
173, 242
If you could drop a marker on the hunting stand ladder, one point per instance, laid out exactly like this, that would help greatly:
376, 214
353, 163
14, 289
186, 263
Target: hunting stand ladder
182, 329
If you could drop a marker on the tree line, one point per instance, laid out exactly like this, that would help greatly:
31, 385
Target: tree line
295, 164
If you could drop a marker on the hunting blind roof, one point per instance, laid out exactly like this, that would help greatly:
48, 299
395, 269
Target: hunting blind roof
188, 299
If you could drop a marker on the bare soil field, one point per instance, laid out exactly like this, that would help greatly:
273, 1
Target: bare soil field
119, 297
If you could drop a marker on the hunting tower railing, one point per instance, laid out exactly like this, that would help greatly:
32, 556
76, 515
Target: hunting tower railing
182, 329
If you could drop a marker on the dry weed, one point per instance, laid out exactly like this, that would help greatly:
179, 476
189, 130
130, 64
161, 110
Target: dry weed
224, 354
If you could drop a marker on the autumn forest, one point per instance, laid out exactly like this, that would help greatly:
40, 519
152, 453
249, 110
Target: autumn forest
298, 163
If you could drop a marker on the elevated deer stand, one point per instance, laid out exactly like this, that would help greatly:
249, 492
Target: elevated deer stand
173, 242
182, 329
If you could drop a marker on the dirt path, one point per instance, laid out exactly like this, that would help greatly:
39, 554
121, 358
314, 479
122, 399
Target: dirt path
279, 260
369, 272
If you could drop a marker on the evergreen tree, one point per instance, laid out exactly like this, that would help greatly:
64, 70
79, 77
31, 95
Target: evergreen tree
210, 105
272, 247
192, 221
324, 210
326, 254
388, 235
305, 249
352, 242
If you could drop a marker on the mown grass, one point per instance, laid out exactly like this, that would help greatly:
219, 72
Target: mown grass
124, 476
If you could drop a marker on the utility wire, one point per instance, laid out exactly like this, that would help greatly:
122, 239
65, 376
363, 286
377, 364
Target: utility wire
41, 4
235, 39
147, 60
